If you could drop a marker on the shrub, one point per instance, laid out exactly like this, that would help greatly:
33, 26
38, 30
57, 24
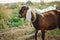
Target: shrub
15, 22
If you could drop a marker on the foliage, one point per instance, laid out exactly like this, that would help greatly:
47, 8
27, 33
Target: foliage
3, 16
19, 6
54, 32
29, 2
15, 22
9, 17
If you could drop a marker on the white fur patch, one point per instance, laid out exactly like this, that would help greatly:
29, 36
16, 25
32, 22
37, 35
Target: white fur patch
38, 11
28, 15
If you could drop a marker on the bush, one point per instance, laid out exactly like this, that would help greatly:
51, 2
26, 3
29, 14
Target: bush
15, 22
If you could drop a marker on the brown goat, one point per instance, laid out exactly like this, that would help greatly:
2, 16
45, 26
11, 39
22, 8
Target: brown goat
46, 21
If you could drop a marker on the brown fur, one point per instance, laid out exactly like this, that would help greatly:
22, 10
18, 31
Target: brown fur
45, 20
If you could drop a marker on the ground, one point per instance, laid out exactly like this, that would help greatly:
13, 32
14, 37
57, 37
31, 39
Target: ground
24, 33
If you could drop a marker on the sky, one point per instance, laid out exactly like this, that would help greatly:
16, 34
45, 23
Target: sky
15, 1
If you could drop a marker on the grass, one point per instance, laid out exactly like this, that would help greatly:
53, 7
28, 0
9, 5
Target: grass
54, 32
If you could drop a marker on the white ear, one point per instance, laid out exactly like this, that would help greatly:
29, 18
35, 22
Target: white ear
28, 15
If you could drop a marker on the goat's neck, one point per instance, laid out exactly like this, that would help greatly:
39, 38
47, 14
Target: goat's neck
33, 18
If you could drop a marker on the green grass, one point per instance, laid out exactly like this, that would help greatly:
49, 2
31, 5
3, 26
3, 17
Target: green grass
54, 32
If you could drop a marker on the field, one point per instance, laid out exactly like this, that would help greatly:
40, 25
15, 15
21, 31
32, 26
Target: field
14, 28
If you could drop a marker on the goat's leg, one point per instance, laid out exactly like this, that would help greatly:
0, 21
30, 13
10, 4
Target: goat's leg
36, 34
43, 34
